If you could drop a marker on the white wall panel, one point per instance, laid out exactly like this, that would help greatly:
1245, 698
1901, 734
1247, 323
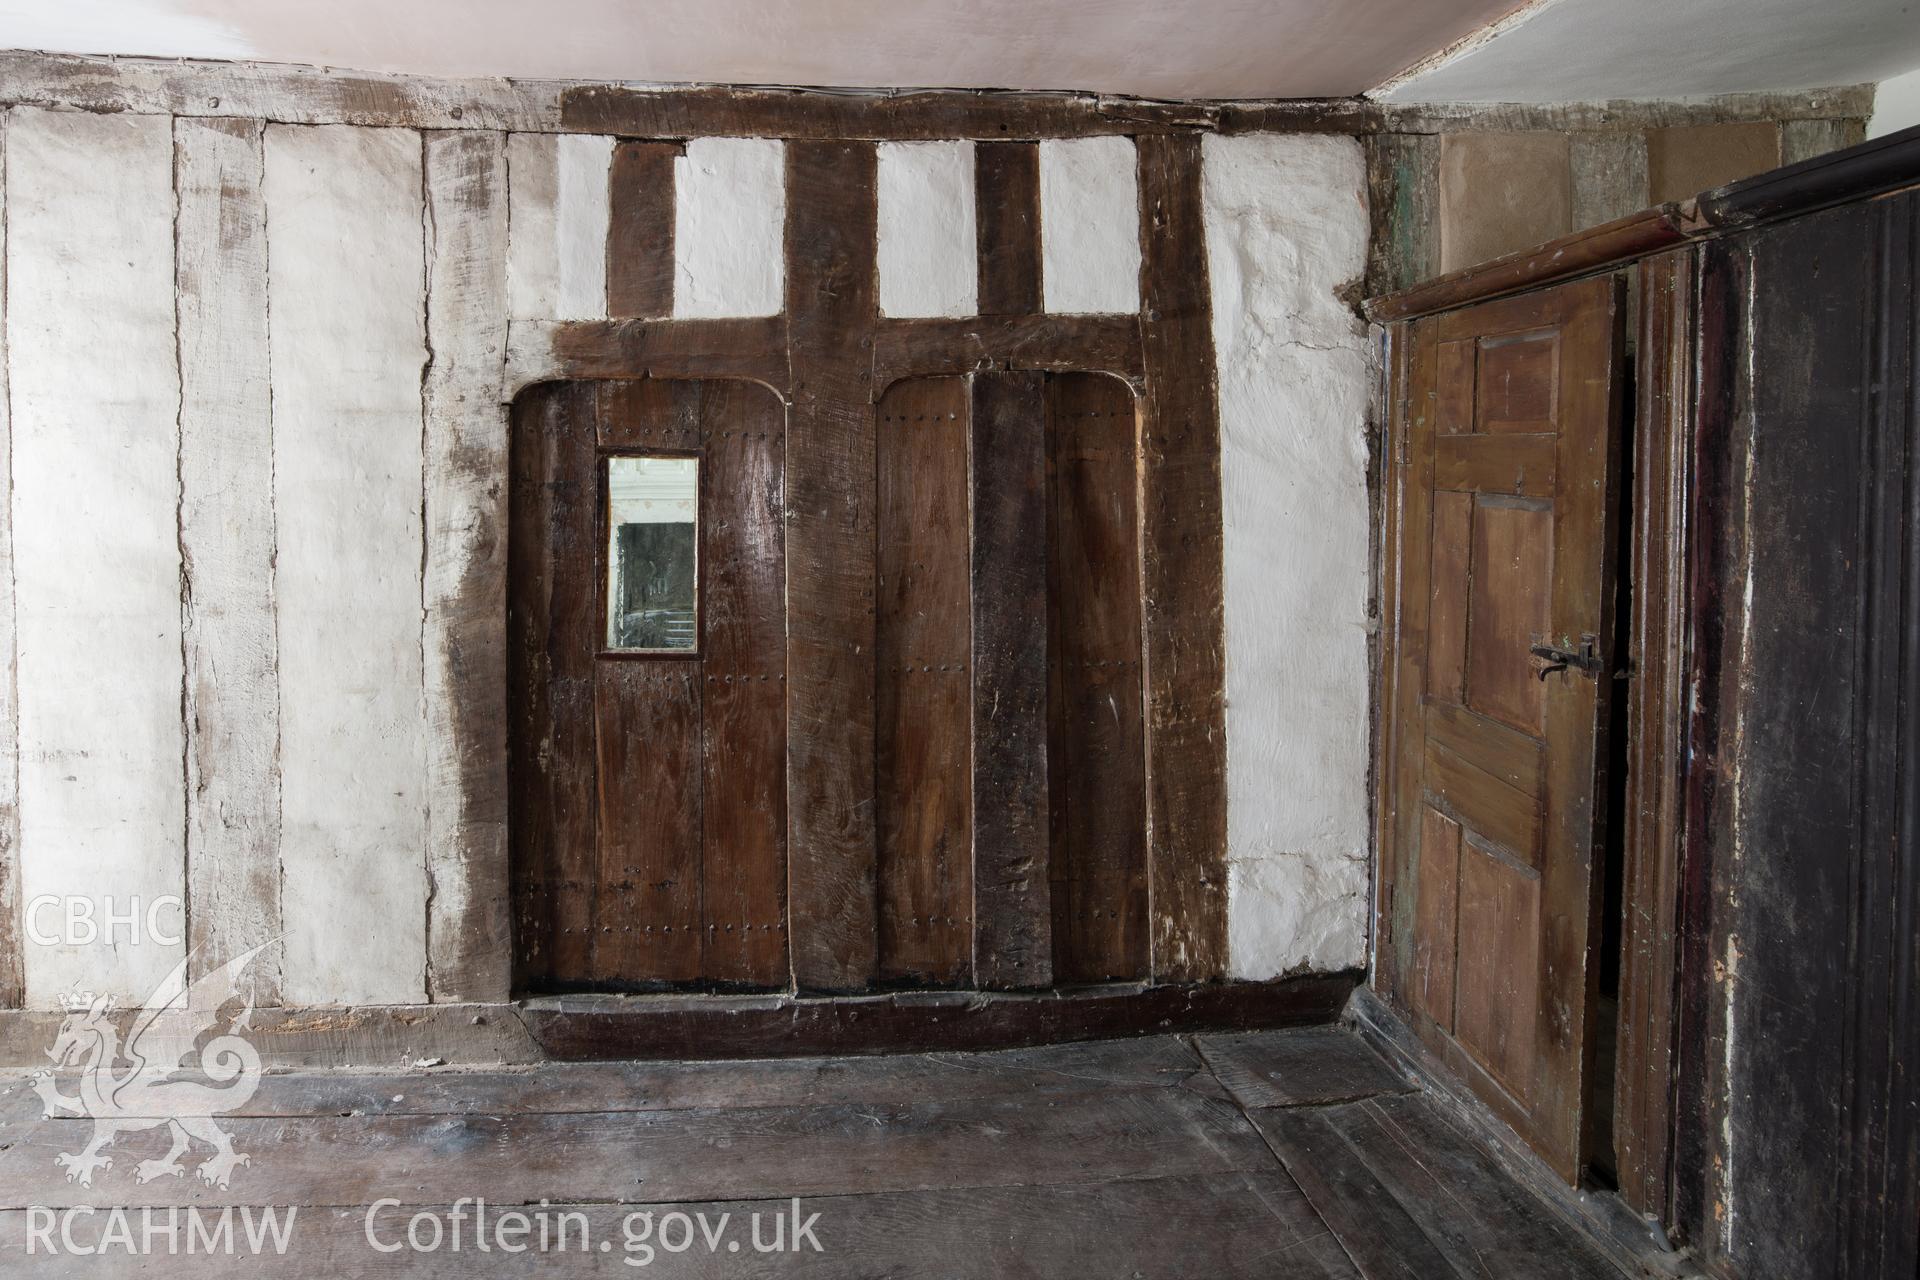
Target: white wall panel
730, 207
1286, 225
345, 264
90, 354
1089, 226
580, 226
929, 252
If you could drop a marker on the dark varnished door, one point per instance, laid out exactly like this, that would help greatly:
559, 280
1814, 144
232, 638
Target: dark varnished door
1505, 574
1009, 734
647, 685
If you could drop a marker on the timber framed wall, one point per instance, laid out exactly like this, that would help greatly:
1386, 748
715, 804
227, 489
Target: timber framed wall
331, 285
342, 282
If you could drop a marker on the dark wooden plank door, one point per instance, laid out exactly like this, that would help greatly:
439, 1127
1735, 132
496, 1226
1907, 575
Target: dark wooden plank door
648, 805
1097, 746
922, 693
1009, 742
1510, 474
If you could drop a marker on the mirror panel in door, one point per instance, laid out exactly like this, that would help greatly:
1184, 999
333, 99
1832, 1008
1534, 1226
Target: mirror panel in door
653, 540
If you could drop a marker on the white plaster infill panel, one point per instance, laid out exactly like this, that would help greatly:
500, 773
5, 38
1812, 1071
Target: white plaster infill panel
929, 253
1089, 226
580, 226
1286, 225
96, 393
730, 208
557, 226
345, 266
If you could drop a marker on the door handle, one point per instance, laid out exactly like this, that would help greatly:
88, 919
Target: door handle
1585, 660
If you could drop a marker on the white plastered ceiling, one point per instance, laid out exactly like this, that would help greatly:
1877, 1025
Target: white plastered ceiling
1582, 50
1153, 48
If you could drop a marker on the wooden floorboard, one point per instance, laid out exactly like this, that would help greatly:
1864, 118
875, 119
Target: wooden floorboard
1486, 1225
1380, 1236
1224, 1156
611, 1087
704, 1154
1309, 1066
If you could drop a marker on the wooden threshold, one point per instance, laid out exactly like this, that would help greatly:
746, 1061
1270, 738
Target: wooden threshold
577, 1028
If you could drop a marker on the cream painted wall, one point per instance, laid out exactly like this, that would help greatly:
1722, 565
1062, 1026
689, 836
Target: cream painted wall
341, 254
1896, 105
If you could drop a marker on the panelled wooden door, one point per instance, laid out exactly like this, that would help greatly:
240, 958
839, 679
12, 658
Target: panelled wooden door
1504, 575
648, 805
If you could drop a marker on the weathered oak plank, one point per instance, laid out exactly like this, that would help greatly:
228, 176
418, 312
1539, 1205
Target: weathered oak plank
538, 350
925, 348
1006, 192
697, 1154
1012, 910
608, 1088
469, 934
12, 975
641, 229
227, 543
1183, 548
921, 1021
831, 290
1305, 1066
1383, 1240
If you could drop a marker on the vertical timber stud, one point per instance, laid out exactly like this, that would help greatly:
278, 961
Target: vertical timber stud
640, 230
469, 921
1182, 573
831, 297
227, 540
13, 978
1012, 909
1006, 192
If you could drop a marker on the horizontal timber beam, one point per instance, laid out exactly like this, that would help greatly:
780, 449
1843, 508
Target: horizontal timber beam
934, 348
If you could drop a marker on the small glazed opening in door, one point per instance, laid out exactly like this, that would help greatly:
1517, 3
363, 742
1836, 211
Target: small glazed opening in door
652, 514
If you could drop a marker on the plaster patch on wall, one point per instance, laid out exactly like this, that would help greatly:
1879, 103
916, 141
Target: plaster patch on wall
345, 268
95, 391
730, 210
929, 253
580, 226
1286, 225
533, 258
1089, 226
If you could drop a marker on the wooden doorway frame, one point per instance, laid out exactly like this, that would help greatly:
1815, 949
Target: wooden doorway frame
1652, 711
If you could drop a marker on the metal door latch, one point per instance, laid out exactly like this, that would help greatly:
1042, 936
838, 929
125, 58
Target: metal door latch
1586, 660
